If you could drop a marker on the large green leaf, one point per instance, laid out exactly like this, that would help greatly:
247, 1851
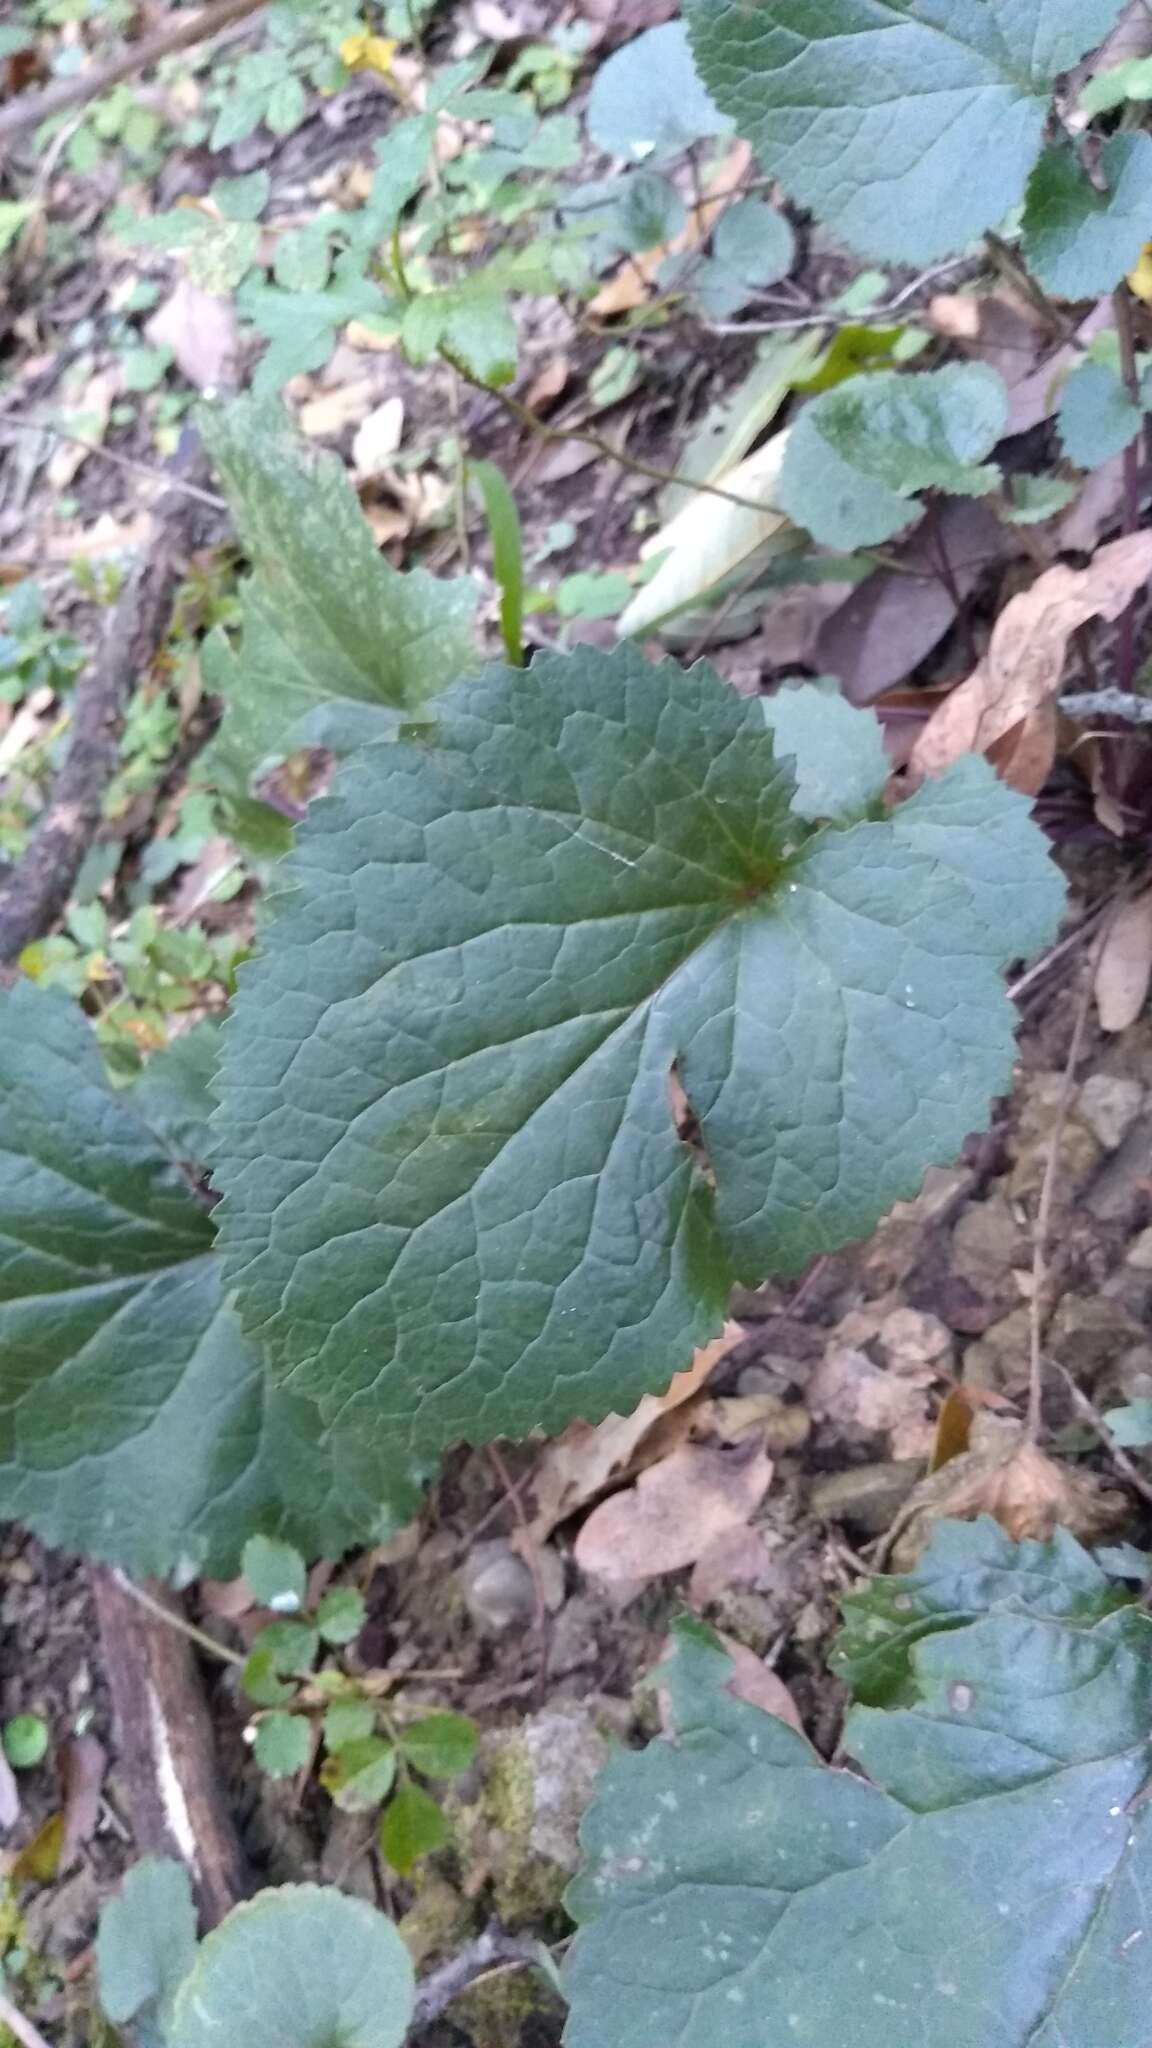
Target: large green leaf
989, 1885
135, 1420
1098, 417
648, 98
456, 1201
908, 126
335, 644
858, 454
1078, 240
297, 1967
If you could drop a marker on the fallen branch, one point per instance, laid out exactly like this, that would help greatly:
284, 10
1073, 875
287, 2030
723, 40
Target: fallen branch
165, 1749
37, 886
20, 2028
491, 1950
28, 110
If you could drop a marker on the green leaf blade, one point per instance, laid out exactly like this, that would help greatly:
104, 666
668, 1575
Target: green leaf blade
1080, 241
908, 132
337, 646
983, 1889
298, 1967
136, 1423
466, 1129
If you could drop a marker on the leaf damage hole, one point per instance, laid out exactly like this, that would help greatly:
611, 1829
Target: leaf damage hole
687, 1124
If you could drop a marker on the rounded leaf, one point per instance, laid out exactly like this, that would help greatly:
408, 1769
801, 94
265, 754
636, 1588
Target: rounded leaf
299, 1967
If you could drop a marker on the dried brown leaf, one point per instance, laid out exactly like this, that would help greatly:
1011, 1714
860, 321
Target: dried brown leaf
752, 1680
1005, 1476
629, 286
674, 1513
738, 1558
378, 437
1025, 660
202, 331
577, 1467
82, 1768
87, 414
1124, 969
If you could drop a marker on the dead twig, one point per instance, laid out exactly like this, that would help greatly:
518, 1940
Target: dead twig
119, 461
1119, 1456
491, 1951
28, 110
38, 885
172, 1619
24, 2031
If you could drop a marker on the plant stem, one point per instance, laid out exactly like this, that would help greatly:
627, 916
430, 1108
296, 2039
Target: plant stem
182, 1626
545, 432
1122, 309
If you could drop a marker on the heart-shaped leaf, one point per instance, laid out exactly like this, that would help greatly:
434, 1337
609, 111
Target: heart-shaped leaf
457, 1204
1080, 240
297, 1967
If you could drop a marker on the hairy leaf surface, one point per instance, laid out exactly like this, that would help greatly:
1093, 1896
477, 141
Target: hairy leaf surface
907, 129
988, 1885
457, 1204
136, 1422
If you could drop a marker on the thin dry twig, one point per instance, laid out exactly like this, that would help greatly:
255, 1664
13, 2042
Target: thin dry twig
171, 1619
1041, 1228
37, 886
1119, 1456
491, 1951
863, 315
23, 2029
28, 110
529, 1553
119, 461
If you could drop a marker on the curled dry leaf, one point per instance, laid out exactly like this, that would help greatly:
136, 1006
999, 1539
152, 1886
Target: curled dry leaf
1124, 969
1005, 1476
587, 1457
1025, 660
86, 413
378, 437
711, 537
674, 1513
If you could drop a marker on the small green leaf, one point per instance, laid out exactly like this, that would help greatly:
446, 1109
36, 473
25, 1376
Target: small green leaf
470, 325
908, 130
649, 212
1131, 1426
298, 1967
146, 1942
292, 1645
347, 1721
276, 1574
1032, 498
360, 1773
243, 198
282, 1744
1131, 80
1097, 416
336, 645
507, 554
859, 453
340, 1615
648, 99
260, 1682
1080, 241
25, 1741
837, 752
591, 595
411, 1826
303, 259
439, 1745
